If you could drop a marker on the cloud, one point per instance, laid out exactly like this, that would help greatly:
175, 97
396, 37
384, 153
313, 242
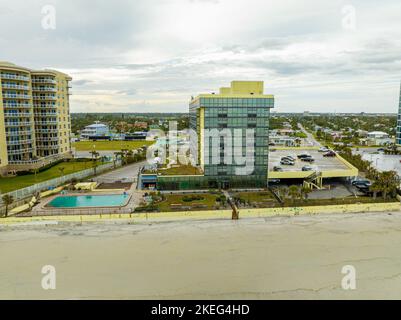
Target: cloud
153, 55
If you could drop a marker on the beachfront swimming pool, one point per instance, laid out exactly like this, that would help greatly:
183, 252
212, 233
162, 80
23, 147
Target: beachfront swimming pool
110, 200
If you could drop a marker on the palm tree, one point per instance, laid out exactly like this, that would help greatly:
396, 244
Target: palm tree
118, 155
94, 154
283, 192
61, 169
7, 200
94, 166
376, 187
293, 192
73, 182
390, 182
35, 171
305, 190
124, 153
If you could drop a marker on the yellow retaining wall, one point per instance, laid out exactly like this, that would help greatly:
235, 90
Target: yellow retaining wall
216, 214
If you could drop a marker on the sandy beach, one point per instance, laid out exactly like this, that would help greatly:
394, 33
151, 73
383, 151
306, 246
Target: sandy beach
274, 258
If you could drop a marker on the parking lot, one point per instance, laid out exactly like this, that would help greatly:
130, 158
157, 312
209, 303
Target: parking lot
320, 164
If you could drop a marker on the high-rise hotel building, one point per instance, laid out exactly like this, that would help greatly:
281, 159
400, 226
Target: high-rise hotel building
35, 124
398, 133
239, 109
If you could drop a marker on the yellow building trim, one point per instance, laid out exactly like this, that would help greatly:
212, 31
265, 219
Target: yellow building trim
202, 137
349, 165
238, 89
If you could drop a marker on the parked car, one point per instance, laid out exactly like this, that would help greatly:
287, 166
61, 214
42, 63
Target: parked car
287, 162
381, 149
308, 159
361, 182
363, 188
307, 168
273, 181
360, 186
303, 155
323, 149
329, 153
272, 144
277, 168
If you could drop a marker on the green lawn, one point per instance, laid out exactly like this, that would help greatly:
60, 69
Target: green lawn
335, 201
109, 145
265, 198
18, 182
208, 201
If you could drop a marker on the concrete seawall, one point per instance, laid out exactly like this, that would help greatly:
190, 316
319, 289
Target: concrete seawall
214, 214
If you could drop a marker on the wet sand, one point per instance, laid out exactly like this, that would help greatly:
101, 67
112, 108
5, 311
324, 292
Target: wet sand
273, 258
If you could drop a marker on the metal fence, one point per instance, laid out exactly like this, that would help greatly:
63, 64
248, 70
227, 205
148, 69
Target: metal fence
83, 211
24, 193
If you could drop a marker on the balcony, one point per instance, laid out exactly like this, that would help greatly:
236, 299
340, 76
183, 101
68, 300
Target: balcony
14, 77
44, 98
45, 123
41, 161
17, 124
47, 139
45, 89
19, 151
45, 80
47, 106
17, 115
18, 133
47, 147
19, 142
46, 114
14, 86
17, 105
46, 130
16, 96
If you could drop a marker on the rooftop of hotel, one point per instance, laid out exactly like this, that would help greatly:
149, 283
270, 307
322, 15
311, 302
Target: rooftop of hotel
238, 89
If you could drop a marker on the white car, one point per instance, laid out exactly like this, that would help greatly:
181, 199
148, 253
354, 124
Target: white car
323, 149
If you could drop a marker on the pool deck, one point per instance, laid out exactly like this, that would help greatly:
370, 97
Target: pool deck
42, 209
121, 174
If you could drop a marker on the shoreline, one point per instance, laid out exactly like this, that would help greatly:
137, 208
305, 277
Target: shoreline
297, 257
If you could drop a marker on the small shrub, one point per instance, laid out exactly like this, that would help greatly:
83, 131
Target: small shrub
192, 198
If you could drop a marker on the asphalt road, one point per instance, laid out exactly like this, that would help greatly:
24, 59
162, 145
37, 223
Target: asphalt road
127, 173
311, 141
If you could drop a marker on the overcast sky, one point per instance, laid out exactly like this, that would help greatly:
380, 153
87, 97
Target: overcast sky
152, 55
